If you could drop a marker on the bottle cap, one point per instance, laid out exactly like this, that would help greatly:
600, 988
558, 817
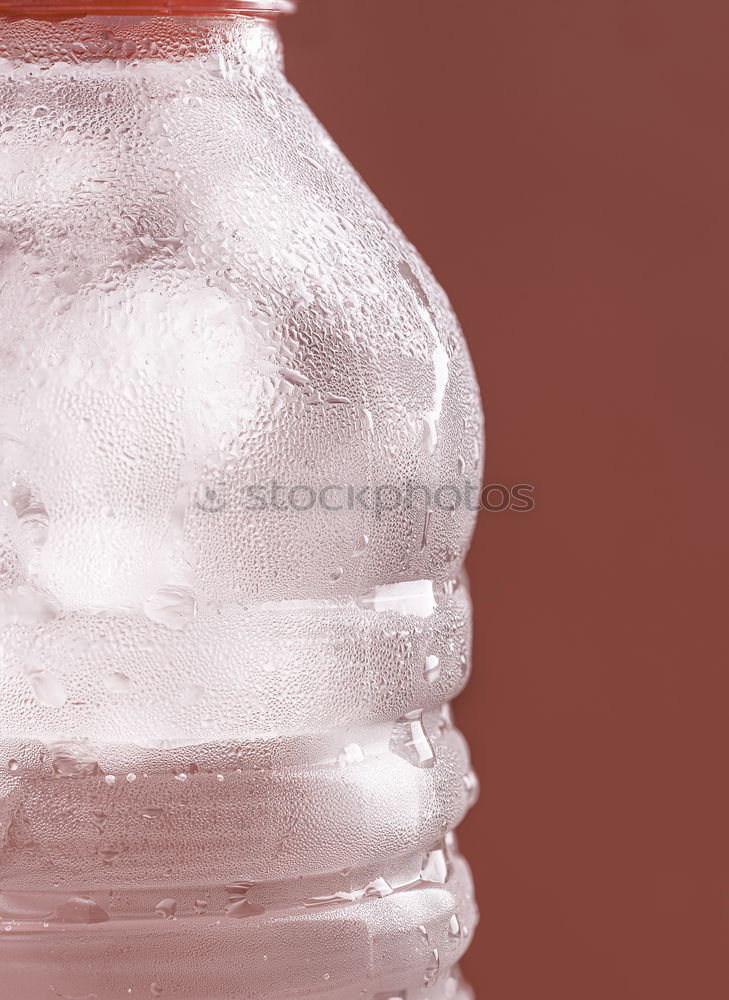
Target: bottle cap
61, 9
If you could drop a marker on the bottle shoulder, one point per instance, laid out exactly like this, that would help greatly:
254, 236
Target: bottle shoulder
212, 274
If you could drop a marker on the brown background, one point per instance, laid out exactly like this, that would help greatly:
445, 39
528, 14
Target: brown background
563, 166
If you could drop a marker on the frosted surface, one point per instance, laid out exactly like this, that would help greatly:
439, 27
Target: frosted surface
227, 764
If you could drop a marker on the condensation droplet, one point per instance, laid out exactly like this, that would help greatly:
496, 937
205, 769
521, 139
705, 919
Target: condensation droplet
432, 668
152, 812
352, 754
166, 908
25, 606
293, 377
379, 887
430, 434
435, 867
361, 545
470, 783
410, 741
47, 688
454, 928
156, 990
432, 968
118, 683
80, 910
174, 607
110, 852
73, 759
32, 514
201, 906
98, 819
241, 908
426, 528
13, 765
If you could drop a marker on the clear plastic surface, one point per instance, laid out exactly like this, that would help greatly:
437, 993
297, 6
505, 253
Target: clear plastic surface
228, 768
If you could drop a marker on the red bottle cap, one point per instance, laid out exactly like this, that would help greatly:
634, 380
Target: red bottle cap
61, 9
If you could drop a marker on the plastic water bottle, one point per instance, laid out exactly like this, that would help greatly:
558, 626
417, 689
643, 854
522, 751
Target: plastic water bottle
238, 423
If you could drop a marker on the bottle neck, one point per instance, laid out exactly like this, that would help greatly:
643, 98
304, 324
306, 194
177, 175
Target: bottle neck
225, 43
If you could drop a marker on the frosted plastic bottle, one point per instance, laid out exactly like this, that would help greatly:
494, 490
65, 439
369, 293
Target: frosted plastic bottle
227, 763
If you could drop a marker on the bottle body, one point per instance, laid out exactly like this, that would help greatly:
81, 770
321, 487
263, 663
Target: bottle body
232, 607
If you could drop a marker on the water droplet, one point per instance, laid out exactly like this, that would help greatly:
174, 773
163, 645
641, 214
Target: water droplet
445, 719
201, 906
293, 377
423, 930
470, 783
32, 514
13, 765
454, 928
73, 759
410, 741
414, 597
241, 908
47, 688
131, 777
337, 574
118, 683
432, 968
99, 818
361, 545
426, 528
110, 852
25, 606
156, 990
19, 832
432, 668
312, 162
430, 434
352, 754
379, 887
336, 897
174, 607
463, 664
435, 867
152, 812
166, 908
80, 910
